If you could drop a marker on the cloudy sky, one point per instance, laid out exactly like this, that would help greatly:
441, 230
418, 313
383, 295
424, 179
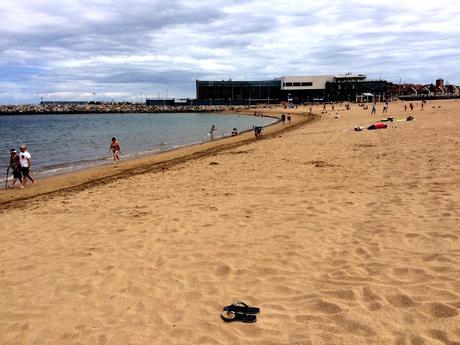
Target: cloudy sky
130, 49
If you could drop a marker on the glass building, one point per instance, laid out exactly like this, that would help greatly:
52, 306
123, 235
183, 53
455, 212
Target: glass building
350, 90
229, 90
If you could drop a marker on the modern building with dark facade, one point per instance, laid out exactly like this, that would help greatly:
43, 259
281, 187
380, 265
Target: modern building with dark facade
266, 91
356, 90
296, 89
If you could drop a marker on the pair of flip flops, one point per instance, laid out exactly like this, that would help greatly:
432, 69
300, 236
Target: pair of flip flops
239, 311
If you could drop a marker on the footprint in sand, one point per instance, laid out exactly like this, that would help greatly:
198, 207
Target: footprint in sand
325, 307
223, 270
439, 310
400, 301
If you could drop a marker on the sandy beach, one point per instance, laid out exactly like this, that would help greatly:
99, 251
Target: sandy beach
340, 237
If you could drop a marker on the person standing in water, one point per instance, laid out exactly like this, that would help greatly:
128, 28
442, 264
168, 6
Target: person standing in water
212, 131
116, 150
15, 166
25, 161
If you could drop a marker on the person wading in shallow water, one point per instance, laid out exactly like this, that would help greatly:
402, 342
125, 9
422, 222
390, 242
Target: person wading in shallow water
116, 150
25, 160
212, 131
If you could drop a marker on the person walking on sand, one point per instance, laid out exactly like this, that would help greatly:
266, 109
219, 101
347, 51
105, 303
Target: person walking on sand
289, 118
405, 107
374, 109
385, 107
15, 166
212, 131
116, 150
25, 161
283, 118
411, 106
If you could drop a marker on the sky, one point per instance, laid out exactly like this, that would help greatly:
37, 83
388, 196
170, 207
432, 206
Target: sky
127, 50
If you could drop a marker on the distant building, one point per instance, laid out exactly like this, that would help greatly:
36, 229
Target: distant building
296, 89
238, 92
301, 89
64, 102
356, 90
158, 101
421, 91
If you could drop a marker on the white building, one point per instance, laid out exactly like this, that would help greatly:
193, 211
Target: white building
295, 83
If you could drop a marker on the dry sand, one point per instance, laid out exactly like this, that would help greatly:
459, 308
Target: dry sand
340, 237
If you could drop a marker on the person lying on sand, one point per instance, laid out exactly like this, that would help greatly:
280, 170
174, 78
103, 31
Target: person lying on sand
378, 125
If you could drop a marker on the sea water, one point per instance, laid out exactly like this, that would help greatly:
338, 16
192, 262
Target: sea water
63, 143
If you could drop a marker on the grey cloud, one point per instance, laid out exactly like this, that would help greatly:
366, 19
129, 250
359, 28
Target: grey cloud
112, 47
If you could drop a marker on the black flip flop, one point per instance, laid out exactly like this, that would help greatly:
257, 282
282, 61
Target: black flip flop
241, 307
231, 316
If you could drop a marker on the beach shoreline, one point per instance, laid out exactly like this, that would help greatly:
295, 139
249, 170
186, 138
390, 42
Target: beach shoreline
338, 236
105, 173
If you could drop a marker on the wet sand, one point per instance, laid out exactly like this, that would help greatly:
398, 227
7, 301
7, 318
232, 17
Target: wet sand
340, 237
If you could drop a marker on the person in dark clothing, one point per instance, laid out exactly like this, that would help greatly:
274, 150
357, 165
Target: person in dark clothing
283, 118
258, 131
15, 166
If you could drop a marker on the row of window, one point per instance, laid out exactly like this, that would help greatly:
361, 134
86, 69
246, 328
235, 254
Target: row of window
298, 84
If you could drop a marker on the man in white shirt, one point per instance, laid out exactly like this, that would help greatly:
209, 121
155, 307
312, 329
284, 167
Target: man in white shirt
25, 160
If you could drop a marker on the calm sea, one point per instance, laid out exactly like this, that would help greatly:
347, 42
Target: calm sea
62, 143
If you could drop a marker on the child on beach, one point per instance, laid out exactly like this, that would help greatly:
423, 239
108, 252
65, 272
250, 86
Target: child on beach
15, 166
374, 110
258, 132
25, 161
116, 150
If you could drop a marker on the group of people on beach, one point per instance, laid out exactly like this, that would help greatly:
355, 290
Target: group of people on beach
284, 117
21, 166
411, 106
213, 130
385, 107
